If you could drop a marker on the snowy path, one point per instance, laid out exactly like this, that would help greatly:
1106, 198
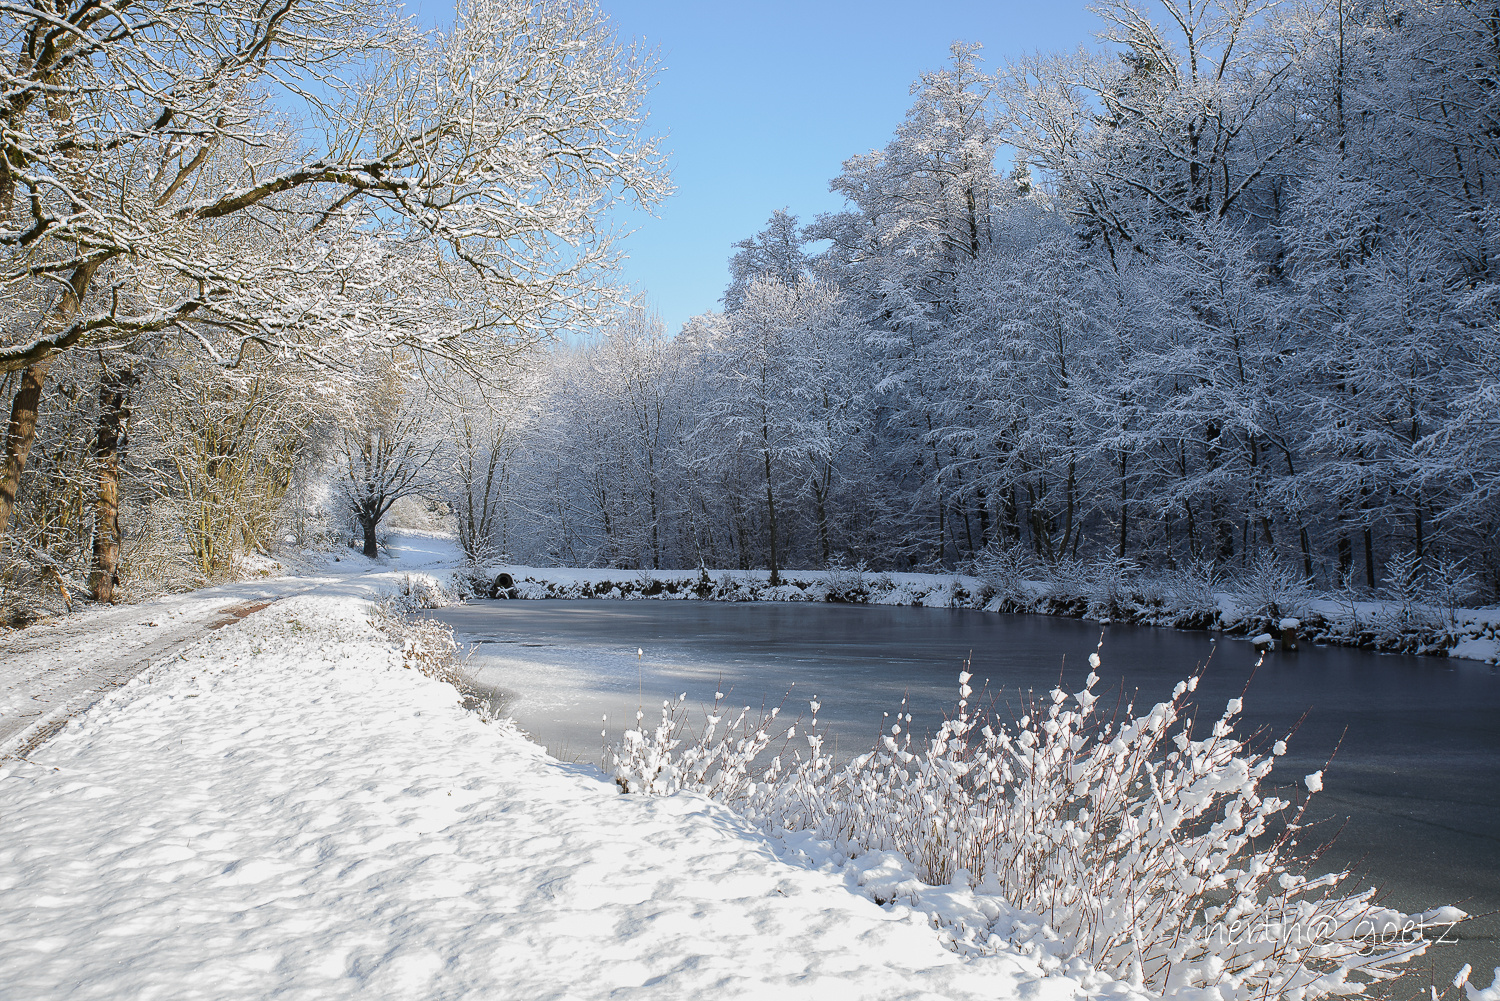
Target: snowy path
283, 810
50, 673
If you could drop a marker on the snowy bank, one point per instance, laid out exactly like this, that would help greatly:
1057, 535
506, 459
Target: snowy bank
284, 808
1468, 633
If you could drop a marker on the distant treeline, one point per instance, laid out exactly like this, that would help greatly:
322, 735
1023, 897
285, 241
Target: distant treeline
1222, 291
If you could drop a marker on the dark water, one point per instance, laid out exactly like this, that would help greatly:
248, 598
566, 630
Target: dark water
1414, 782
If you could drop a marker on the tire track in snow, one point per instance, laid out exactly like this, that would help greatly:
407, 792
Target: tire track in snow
55, 674
52, 673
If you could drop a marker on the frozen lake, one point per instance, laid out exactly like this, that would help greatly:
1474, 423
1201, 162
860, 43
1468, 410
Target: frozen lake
1417, 773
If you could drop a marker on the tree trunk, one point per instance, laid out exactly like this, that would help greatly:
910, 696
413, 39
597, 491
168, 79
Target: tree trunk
820, 496
368, 524
1223, 531
19, 436
705, 533
1417, 520
655, 517
114, 413
21, 430
771, 518
655, 535
962, 508
937, 488
1011, 514
982, 508
1072, 492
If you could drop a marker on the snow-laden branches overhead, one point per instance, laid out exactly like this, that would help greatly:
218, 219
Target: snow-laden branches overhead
1179, 122
270, 171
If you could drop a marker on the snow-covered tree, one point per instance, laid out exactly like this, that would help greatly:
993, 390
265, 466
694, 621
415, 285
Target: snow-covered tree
387, 450
767, 414
487, 424
436, 193
775, 252
1182, 119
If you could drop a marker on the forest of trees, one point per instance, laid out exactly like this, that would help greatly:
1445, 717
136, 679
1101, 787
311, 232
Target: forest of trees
1223, 291
1218, 290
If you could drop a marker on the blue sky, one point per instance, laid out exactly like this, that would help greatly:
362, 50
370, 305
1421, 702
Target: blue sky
762, 101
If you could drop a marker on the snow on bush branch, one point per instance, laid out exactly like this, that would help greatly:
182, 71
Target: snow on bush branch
1132, 845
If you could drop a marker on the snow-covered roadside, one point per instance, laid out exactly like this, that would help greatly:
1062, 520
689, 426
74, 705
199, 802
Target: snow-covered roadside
1472, 634
283, 808
56, 669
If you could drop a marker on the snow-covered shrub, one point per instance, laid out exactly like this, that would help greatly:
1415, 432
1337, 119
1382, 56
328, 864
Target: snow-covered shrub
1272, 590
466, 585
1067, 588
904, 593
531, 589
1109, 583
1146, 848
846, 582
427, 647
715, 763
1449, 586
420, 590
643, 763
1344, 625
155, 560
1404, 591
1102, 588
790, 591
1003, 572
1189, 592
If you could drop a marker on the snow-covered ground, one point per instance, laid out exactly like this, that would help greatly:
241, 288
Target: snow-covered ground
279, 807
55, 670
283, 809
